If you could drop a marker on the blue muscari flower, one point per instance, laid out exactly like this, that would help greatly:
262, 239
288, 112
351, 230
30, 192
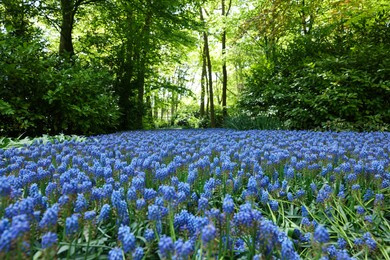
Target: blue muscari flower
321, 234
208, 233
355, 187
368, 195
140, 204
181, 219
97, 194
181, 197
69, 188
264, 196
50, 188
184, 187
72, 224
305, 212
264, 181
116, 199
203, 204
115, 254
360, 210
378, 198
192, 176
4, 224
174, 180
209, 187
351, 177
358, 241
195, 224
123, 212
328, 211
24, 206
64, 199
284, 184
300, 193
305, 221
123, 179
368, 219
343, 255
288, 252
228, 204
107, 189
90, 215
159, 201
138, 254
385, 184
289, 172
341, 193
138, 183
183, 249
324, 194
166, 246
154, 212
341, 243
331, 250
149, 235
5, 186
50, 217
274, 205
132, 194
6, 239
104, 213
247, 216
149, 194
369, 241
305, 238
20, 224
168, 192
162, 173
127, 238
81, 203
239, 246
290, 197
313, 187
49, 239
252, 185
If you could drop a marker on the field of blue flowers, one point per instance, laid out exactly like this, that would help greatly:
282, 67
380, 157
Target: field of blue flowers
198, 194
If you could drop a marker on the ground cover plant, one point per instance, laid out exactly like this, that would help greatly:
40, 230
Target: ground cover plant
198, 194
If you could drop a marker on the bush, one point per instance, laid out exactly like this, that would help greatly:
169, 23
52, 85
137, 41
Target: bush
42, 94
259, 122
327, 81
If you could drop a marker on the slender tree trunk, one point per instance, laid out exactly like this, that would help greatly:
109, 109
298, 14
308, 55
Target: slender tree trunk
224, 70
155, 108
68, 11
209, 69
202, 84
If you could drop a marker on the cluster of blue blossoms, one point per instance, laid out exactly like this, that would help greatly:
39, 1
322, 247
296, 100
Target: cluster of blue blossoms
199, 193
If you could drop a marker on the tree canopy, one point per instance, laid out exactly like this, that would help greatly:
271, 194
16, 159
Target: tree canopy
92, 66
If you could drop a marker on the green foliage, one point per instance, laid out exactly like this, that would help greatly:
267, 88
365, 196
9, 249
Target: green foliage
6, 143
80, 101
42, 94
328, 79
259, 122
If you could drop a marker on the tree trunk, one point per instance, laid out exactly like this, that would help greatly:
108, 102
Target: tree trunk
209, 68
202, 84
224, 70
68, 11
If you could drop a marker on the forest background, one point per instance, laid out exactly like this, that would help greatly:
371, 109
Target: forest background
98, 66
